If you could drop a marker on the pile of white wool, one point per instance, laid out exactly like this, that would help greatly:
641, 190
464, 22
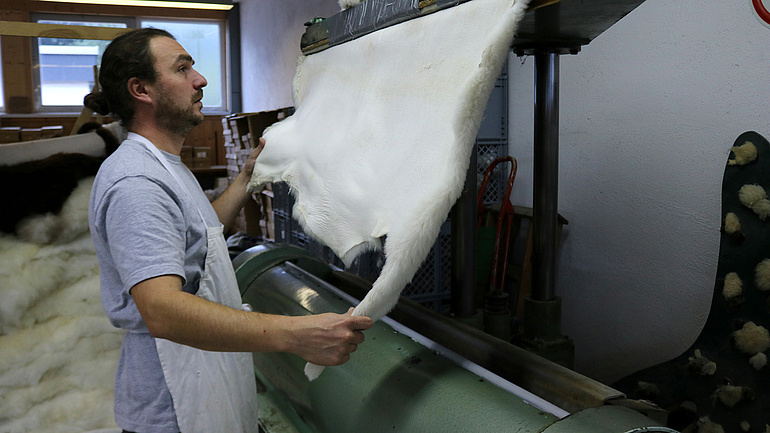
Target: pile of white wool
59, 352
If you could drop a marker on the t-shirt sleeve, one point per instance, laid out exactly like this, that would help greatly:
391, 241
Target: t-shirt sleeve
144, 229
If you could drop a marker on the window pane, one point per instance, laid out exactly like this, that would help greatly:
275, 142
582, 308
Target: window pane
67, 65
203, 40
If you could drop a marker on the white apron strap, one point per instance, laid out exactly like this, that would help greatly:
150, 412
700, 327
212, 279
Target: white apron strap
155, 151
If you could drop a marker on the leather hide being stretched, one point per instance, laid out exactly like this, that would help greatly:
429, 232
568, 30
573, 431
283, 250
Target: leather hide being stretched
381, 139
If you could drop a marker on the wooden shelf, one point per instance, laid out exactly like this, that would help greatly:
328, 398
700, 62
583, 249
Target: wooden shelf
219, 170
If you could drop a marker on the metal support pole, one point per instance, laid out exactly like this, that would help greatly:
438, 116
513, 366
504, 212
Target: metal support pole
463, 245
541, 322
546, 175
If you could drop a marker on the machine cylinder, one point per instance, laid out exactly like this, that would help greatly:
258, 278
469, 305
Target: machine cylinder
393, 383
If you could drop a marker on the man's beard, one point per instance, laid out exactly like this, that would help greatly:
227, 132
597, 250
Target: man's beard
177, 118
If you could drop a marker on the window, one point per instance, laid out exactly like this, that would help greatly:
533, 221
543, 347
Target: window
66, 66
205, 42
65, 72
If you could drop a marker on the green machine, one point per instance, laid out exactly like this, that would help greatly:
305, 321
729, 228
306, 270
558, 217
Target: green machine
417, 371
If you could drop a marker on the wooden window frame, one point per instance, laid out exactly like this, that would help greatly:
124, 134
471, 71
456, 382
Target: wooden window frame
16, 51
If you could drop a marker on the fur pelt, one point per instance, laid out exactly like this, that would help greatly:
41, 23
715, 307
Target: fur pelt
59, 352
42, 186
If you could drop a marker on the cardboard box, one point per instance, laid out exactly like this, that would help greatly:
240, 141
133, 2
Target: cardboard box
267, 202
268, 228
201, 158
257, 122
187, 155
51, 131
253, 217
10, 134
30, 134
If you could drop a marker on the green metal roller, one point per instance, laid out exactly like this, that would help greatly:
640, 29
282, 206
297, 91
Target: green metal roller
398, 380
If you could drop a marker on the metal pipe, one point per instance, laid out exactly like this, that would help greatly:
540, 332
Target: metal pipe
463, 245
546, 175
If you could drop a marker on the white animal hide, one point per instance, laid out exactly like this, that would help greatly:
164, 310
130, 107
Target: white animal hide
67, 225
381, 139
345, 4
58, 350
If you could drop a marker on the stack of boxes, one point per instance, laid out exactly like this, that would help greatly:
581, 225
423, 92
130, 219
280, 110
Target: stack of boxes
201, 158
196, 157
10, 134
15, 134
187, 156
241, 134
238, 143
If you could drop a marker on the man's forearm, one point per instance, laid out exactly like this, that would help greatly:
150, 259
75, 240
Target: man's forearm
170, 313
232, 200
187, 319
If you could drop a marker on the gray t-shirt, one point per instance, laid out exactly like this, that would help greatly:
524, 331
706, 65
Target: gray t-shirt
144, 225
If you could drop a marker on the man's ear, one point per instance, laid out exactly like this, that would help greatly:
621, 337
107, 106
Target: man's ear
138, 90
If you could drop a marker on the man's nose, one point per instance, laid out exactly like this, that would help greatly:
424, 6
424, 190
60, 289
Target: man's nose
200, 81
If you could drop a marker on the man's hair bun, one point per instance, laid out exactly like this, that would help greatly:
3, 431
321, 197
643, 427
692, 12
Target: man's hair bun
98, 102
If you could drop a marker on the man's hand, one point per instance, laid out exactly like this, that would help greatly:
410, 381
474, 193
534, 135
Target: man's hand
248, 168
329, 339
235, 196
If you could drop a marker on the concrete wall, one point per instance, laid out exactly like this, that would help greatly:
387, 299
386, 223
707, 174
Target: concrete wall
649, 111
270, 36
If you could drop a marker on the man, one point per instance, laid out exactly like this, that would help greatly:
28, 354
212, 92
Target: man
185, 361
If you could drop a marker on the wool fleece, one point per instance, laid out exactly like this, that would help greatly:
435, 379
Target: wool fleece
58, 351
381, 138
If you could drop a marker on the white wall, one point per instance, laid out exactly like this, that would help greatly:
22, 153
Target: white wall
649, 111
270, 38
